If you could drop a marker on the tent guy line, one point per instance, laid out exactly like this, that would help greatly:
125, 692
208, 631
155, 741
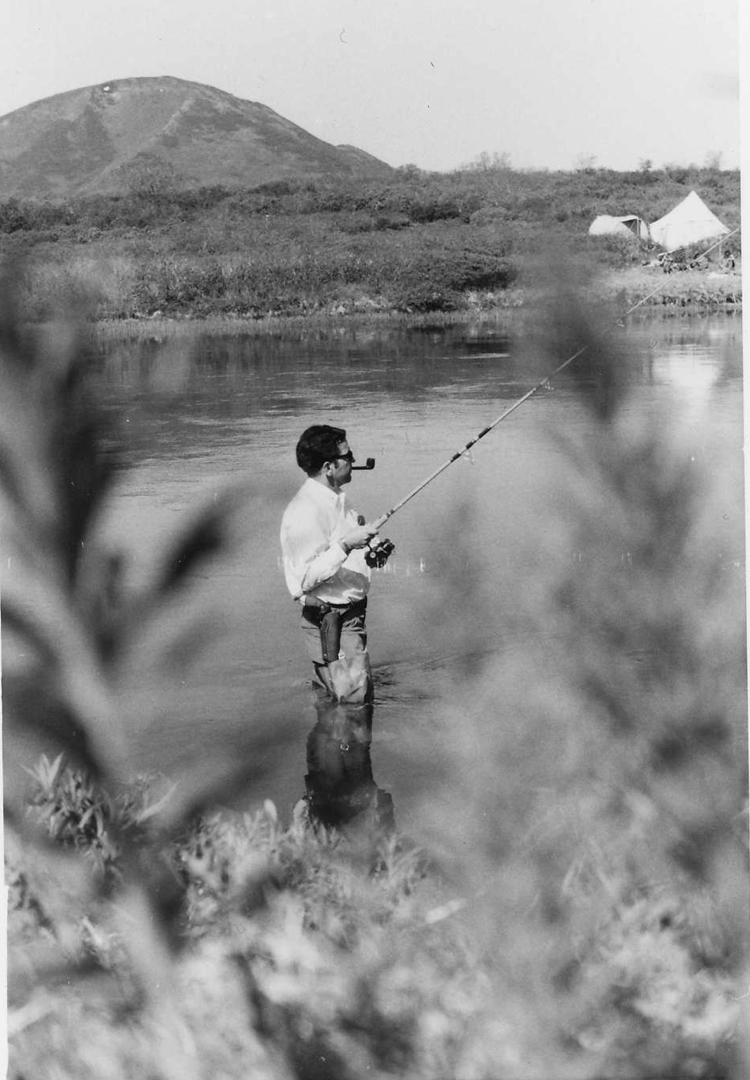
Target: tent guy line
379, 522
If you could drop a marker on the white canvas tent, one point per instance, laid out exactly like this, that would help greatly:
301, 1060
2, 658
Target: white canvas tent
689, 223
606, 225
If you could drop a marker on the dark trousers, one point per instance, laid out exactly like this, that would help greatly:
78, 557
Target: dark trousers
348, 676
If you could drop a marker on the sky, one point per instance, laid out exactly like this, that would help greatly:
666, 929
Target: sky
550, 83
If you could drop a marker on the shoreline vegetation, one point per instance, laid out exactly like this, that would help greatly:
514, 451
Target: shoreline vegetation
690, 295
422, 247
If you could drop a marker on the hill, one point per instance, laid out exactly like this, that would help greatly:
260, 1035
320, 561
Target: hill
162, 131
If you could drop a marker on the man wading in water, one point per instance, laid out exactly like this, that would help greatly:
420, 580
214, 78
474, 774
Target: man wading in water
323, 544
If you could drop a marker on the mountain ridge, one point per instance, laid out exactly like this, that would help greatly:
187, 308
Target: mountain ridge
93, 139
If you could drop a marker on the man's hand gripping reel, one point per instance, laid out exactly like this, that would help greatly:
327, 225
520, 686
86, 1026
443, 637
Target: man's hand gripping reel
376, 555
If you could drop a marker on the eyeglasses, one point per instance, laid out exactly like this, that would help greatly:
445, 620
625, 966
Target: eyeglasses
349, 456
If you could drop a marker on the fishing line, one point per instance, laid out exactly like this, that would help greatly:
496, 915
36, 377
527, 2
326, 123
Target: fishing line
379, 522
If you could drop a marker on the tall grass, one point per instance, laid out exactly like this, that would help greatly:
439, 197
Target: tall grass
578, 908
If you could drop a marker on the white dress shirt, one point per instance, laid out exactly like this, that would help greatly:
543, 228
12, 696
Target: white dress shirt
314, 560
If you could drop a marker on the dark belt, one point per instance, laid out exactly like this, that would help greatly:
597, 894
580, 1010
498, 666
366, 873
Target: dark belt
313, 604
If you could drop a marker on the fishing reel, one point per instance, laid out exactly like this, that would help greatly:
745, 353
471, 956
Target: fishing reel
376, 557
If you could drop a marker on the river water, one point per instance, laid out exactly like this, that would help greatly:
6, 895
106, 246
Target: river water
197, 416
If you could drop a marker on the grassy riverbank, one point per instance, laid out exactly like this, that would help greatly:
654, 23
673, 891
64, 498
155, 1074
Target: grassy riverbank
693, 292
645, 288
423, 243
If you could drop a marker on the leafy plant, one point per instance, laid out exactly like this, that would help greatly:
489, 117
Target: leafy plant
77, 813
73, 631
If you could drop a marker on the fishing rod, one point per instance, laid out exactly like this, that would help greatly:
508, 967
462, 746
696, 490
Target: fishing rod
379, 522
472, 442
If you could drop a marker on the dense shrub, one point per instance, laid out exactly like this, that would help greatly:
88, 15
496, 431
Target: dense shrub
423, 197
619, 250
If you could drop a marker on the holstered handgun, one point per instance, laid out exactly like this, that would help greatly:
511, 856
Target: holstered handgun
330, 633
329, 621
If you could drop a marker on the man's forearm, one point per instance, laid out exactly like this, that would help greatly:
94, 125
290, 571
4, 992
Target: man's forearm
323, 566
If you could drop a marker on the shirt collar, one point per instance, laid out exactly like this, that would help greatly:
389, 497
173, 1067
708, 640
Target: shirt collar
321, 492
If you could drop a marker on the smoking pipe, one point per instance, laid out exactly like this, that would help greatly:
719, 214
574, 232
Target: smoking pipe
369, 464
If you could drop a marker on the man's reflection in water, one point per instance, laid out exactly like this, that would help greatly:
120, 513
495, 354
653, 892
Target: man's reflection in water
339, 787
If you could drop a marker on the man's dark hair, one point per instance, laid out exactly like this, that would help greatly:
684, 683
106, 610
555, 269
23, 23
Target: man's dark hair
318, 444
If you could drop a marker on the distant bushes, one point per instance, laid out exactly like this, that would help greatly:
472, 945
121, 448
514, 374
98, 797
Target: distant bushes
138, 211
418, 243
420, 197
435, 282
616, 249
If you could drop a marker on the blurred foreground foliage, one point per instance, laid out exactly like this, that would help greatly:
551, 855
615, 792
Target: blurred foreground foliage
579, 905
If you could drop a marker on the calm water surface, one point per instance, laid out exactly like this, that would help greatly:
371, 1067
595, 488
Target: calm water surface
195, 418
